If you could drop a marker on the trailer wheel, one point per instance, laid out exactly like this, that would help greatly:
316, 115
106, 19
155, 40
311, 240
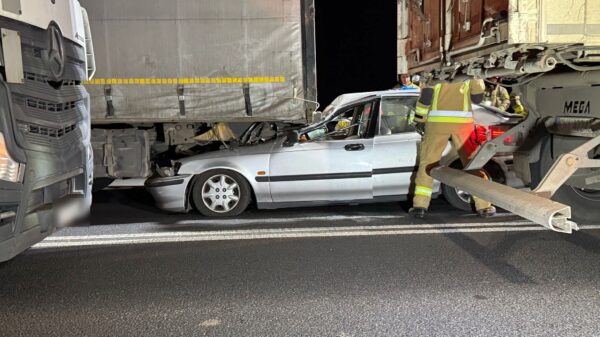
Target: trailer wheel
221, 193
585, 204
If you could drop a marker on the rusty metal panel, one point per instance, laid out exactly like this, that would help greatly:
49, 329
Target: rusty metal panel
423, 45
467, 20
468, 17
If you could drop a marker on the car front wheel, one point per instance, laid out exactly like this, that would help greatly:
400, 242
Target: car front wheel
221, 193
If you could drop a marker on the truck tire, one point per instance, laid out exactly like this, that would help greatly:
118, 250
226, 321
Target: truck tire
585, 205
221, 193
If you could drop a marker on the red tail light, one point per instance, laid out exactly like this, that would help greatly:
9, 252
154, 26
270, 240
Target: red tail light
495, 132
483, 134
480, 134
499, 130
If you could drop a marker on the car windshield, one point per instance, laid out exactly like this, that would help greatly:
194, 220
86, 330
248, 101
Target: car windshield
332, 106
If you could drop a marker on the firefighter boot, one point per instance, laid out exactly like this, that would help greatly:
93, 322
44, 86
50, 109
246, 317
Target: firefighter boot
417, 212
487, 212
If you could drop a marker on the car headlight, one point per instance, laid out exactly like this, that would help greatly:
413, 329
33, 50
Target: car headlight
10, 170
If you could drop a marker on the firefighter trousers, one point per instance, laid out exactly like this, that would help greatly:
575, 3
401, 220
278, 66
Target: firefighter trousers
434, 142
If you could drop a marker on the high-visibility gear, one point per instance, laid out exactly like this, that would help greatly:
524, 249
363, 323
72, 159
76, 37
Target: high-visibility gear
342, 124
451, 103
405, 87
433, 145
517, 106
449, 116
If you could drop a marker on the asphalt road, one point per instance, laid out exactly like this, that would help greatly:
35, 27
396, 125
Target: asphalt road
274, 273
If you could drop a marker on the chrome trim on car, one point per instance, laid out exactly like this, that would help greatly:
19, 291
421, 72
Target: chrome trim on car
329, 176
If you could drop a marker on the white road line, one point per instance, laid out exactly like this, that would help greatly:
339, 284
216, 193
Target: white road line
225, 222
298, 231
258, 234
356, 218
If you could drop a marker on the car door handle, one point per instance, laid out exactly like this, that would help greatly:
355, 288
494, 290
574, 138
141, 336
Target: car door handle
354, 147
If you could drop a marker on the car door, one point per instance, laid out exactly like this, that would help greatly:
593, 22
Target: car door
325, 168
395, 147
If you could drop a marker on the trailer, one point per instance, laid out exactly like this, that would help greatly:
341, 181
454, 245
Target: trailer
549, 53
167, 71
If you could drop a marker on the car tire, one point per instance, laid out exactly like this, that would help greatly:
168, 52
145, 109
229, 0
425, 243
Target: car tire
462, 200
221, 193
457, 198
585, 205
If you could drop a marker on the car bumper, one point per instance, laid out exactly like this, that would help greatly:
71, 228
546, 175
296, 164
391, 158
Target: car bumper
170, 193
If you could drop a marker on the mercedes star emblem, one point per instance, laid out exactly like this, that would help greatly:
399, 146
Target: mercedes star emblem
56, 53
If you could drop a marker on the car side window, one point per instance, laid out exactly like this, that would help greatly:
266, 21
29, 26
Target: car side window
364, 119
396, 115
354, 122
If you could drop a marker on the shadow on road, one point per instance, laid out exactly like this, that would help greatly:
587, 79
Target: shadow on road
494, 258
136, 206
585, 241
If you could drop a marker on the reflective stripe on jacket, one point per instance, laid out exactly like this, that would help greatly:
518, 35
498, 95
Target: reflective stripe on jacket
439, 108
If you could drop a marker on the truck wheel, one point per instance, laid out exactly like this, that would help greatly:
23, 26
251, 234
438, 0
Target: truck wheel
585, 204
221, 193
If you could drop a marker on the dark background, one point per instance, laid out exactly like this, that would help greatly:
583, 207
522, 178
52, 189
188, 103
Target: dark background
356, 47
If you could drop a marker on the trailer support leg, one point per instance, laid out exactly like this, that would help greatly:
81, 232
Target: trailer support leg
565, 167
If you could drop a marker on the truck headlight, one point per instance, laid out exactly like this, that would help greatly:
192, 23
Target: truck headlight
90, 152
10, 170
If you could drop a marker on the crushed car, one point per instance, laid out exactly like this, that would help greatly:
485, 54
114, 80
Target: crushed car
364, 149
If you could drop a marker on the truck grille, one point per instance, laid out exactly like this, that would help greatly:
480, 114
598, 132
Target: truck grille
49, 106
45, 79
40, 111
59, 138
46, 131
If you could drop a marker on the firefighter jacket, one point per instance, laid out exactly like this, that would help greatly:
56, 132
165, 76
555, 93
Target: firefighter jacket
449, 102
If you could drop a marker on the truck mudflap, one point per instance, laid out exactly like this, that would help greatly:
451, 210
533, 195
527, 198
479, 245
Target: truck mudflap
550, 214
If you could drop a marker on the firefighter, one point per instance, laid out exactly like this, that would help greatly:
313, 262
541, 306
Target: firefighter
517, 106
404, 82
446, 111
497, 95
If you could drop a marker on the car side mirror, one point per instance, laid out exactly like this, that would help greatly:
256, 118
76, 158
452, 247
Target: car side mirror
291, 138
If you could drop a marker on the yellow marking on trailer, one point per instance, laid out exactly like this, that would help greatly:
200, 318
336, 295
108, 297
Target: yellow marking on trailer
195, 80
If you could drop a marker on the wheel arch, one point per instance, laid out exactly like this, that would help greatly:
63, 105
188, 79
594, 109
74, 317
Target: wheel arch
188, 190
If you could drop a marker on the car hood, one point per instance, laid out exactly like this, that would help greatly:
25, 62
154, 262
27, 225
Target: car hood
235, 151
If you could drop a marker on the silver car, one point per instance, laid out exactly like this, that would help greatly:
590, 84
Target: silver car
363, 150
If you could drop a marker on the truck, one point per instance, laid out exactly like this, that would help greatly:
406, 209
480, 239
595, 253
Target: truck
45, 153
168, 72
548, 53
